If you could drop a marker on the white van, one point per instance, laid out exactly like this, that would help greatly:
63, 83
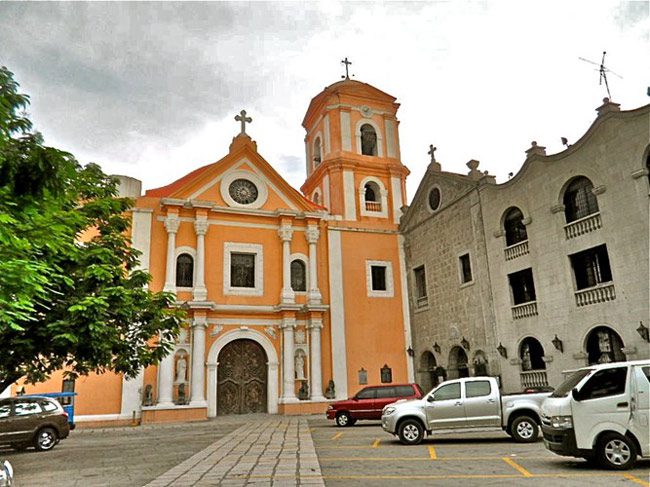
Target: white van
601, 412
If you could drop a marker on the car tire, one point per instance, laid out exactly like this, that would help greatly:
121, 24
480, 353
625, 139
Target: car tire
46, 439
524, 429
616, 452
343, 419
410, 432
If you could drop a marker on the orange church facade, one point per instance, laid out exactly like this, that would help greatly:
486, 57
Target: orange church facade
292, 299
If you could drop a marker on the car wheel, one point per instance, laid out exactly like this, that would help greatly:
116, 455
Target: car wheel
411, 432
524, 429
616, 452
344, 419
46, 439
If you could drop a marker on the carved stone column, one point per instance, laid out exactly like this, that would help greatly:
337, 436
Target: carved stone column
172, 222
315, 372
166, 380
314, 295
288, 389
288, 296
201, 228
197, 395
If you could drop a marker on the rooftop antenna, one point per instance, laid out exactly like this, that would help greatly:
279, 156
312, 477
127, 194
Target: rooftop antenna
603, 72
347, 63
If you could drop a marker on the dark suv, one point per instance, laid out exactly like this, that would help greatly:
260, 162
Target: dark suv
370, 401
32, 421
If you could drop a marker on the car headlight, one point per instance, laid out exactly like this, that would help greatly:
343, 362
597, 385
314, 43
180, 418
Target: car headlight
388, 411
562, 422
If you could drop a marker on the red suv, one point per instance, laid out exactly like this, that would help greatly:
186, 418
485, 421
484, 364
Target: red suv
370, 401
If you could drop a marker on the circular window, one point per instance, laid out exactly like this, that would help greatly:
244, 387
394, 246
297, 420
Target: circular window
243, 191
434, 199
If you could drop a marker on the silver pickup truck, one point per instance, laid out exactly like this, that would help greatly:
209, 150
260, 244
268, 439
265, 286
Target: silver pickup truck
465, 405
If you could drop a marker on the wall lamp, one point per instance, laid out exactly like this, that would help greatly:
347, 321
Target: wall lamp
502, 350
557, 343
436, 347
410, 351
643, 331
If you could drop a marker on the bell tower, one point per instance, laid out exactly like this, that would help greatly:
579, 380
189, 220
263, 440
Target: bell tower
352, 154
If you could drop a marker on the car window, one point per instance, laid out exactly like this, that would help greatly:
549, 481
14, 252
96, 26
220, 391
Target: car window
605, 383
565, 387
49, 406
384, 392
477, 388
5, 409
403, 391
367, 393
449, 391
24, 407
646, 372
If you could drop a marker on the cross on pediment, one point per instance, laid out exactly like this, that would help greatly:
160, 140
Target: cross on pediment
243, 119
432, 153
347, 63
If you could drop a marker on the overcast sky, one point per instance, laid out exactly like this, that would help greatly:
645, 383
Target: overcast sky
150, 89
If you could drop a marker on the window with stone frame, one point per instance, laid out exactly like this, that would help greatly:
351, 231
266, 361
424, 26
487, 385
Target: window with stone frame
591, 267
242, 270
513, 225
378, 275
421, 298
368, 140
372, 196
184, 270
298, 276
317, 152
579, 199
522, 286
465, 268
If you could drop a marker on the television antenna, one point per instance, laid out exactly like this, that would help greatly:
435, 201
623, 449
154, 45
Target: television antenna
603, 72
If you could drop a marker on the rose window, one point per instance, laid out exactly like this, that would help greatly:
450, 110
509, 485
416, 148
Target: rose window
243, 191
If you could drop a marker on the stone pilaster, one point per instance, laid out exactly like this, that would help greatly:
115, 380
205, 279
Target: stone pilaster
315, 361
288, 371
197, 395
172, 222
312, 234
201, 228
285, 232
166, 380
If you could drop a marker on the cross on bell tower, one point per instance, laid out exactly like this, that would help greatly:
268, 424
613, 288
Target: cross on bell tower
243, 119
347, 63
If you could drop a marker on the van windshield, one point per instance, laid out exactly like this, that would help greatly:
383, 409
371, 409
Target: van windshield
566, 386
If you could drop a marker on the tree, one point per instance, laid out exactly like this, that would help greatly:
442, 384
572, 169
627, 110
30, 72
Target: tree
71, 293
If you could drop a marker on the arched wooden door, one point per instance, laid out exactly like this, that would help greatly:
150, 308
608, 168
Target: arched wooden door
241, 378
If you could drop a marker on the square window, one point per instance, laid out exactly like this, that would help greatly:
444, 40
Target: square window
242, 270
591, 267
465, 269
522, 286
243, 264
379, 279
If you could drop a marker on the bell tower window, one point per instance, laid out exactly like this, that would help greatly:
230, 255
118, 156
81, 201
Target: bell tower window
372, 196
368, 140
317, 152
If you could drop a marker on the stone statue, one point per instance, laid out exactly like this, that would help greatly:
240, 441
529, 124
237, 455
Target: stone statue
303, 392
182, 396
147, 400
300, 366
330, 393
181, 369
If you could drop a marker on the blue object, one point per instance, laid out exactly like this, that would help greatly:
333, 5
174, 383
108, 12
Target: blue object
66, 399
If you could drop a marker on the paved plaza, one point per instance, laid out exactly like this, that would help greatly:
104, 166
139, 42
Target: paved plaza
265, 450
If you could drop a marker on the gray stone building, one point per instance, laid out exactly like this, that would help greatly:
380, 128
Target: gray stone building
544, 273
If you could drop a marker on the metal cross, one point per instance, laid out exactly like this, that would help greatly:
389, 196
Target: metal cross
243, 119
432, 152
347, 63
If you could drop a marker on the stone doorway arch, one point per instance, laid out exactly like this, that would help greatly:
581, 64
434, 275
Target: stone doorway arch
604, 345
271, 367
427, 377
457, 367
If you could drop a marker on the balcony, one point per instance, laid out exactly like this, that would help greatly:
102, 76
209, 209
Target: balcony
583, 225
373, 206
516, 250
533, 378
524, 310
597, 294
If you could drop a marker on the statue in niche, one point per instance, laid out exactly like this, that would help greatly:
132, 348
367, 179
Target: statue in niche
303, 392
330, 393
526, 363
300, 366
181, 370
147, 399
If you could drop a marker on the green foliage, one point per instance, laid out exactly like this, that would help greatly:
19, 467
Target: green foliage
68, 300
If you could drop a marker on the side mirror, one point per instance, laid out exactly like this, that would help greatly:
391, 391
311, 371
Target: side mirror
575, 394
430, 398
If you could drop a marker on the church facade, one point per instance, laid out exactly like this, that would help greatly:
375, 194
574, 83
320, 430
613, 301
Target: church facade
292, 299
540, 275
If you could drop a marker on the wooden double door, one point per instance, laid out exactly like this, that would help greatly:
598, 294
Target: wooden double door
242, 378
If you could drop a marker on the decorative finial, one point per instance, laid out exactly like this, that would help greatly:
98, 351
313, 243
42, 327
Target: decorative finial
347, 63
243, 119
432, 152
